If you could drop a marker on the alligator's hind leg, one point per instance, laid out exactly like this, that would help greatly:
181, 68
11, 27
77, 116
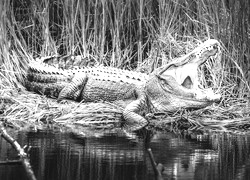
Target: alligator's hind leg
133, 120
74, 89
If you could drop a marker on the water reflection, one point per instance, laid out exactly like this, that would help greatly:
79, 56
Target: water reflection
56, 155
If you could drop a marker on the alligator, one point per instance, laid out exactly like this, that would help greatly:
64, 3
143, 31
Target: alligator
168, 88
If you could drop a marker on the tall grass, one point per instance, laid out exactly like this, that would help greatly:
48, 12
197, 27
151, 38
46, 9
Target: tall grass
127, 34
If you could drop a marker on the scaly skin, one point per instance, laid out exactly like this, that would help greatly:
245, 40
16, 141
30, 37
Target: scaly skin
168, 88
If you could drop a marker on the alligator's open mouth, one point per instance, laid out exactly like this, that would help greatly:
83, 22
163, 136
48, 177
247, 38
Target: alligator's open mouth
189, 73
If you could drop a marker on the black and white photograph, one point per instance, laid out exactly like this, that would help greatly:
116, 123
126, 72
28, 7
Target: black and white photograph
124, 90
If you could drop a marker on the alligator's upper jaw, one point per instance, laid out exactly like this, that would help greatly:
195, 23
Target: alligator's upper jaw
185, 72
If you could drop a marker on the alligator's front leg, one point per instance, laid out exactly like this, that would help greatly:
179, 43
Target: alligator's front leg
135, 121
74, 89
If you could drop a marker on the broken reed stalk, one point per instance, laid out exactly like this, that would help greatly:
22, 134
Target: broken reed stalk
21, 153
158, 168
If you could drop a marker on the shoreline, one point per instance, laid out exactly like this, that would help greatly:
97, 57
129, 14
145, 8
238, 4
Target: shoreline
27, 110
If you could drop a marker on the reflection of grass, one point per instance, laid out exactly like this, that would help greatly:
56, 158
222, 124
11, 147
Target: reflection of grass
129, 34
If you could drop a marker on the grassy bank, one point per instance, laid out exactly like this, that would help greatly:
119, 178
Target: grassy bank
137, 35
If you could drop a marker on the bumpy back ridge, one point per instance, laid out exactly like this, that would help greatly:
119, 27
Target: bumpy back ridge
41, 72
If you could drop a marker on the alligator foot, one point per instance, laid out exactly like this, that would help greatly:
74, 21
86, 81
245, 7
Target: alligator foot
74, 88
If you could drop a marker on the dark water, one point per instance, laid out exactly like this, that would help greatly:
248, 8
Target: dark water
66, 156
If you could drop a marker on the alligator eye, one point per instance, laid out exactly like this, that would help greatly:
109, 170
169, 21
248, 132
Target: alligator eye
215, 46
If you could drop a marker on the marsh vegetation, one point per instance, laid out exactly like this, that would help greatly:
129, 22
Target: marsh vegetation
135, 35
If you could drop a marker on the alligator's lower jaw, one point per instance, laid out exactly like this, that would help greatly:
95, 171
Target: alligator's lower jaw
200, 98
178, 103
207, 95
